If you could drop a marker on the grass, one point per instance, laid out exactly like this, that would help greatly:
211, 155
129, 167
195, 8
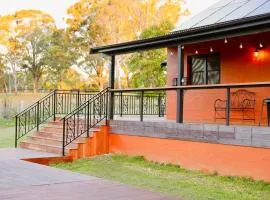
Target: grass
5, 123
169, 179
6, 133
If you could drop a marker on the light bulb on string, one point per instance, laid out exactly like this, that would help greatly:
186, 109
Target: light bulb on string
211, 49
241, 46
256, 53
196, 52
182, 47
225, 41
261, 45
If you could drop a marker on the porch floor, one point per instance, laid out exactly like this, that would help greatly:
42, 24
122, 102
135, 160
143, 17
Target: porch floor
25, 180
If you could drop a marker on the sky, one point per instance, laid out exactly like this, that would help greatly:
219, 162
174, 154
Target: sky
57, 8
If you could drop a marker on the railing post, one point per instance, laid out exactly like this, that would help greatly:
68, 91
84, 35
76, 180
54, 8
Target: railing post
64, 130
87, 116
159, 105
111, 105
180, 106
141, 106
16, 130
38, 111
121, 104
106, 112
228, 106
54, 105
78, 98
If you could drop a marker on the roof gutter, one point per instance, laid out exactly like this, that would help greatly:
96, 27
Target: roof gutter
246, 26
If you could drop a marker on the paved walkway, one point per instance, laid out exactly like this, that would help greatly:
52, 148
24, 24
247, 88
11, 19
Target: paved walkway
26, 181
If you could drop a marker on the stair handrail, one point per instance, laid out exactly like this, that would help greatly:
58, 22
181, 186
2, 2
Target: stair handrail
56, 102
85, 109
29, 119
23, 111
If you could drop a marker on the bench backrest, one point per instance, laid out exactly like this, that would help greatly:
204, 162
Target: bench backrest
242, 98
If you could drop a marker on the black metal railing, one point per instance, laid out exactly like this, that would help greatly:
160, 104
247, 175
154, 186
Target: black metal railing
129, 104
86, 116
180, 90
58, 102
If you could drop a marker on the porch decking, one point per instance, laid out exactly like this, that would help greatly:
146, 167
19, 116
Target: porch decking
27, 181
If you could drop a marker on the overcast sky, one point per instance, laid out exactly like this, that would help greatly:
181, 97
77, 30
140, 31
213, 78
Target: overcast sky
57, 8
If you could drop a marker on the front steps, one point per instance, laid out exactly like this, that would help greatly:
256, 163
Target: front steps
50, 138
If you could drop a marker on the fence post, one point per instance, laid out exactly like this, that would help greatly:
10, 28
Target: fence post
54, 105
228, 106
38, 111
121, 104
141, 106
16, 129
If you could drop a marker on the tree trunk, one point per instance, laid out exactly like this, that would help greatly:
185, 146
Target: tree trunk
14, 74
35, 84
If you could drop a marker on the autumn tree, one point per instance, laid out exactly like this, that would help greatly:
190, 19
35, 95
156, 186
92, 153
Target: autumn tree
96, 23
14, 29
36, 45
3, 84
59, 57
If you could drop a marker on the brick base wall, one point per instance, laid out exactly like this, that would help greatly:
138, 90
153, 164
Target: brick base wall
201, 149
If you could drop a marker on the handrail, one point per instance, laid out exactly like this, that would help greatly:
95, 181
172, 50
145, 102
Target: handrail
77, 108
84, 117
56, 102
194, 87
23, 111
31, 118
180, 93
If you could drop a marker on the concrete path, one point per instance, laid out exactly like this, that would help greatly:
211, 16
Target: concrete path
25, 180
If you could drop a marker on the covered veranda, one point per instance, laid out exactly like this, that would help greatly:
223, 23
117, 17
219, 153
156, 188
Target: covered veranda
179, 44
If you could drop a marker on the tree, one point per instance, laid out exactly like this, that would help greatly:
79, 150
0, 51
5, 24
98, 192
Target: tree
94, 23
145, 67
59, 57
3, 83
14, 29
36, 45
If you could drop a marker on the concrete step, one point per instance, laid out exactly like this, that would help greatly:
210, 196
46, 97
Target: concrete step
52, 135
42, 147
36, 145
45, 140
50, 139
51, 129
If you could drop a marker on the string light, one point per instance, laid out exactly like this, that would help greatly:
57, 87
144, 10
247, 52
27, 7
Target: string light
261, 45
211, 49
241, 46
225, 41
256, 53
182, 47
196, 52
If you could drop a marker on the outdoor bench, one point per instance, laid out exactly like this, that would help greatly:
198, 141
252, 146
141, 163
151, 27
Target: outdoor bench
242, 101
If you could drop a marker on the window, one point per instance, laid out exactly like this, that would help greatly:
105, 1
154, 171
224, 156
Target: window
205, 69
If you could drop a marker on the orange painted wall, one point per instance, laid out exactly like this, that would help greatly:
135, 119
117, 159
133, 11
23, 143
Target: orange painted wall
237, 66
224, 159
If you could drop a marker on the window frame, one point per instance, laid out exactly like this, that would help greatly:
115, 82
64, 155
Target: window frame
206, 68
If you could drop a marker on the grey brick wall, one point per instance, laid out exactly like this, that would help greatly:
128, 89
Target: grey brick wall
221, 134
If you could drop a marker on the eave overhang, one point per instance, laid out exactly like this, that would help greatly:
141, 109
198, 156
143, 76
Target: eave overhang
240, 27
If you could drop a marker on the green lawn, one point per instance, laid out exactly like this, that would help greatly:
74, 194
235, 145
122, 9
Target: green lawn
169, 179
6, 133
